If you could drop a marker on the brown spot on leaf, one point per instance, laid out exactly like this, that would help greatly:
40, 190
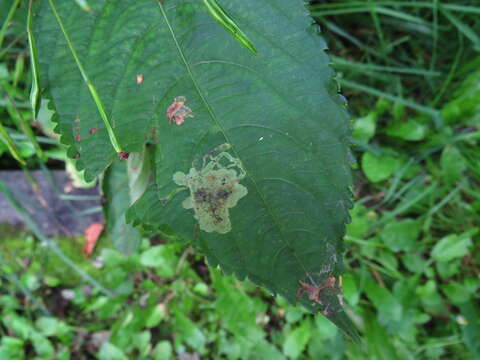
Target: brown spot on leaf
93, 130
139, 79
76, 156
178, 111
313, 291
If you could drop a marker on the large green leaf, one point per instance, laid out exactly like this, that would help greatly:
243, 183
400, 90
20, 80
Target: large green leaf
279, 113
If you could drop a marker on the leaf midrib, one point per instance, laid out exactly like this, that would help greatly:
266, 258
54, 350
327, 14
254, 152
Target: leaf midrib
217, 122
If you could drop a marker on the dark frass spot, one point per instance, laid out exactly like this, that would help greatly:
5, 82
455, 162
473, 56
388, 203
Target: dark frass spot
122, 155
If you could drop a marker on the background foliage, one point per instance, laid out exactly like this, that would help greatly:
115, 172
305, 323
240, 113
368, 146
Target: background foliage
411, 73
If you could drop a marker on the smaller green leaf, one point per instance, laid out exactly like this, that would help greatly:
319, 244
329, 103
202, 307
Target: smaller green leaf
410, 130
42, 345
378, 168
364, 127
297, 340
389, 308
401, 235
162, 351
414, 261
453, 164
47, 326
430, 296
111, 257
294, 314
109, 351
232, 301
456, 292
448, 269
266, 351
201, 288
464, 104
11, 348
162, 257
30, 281
379, 342
350, 289
453, 246
142, 342
156, 315
189, 333
362, 220
19, 325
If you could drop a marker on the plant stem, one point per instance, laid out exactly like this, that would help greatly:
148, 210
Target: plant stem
11, 145
7, 21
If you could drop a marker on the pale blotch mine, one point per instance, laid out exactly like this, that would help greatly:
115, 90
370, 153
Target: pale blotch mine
214, 189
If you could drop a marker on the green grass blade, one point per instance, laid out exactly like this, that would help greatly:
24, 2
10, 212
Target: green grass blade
35, 90
6, 138
421, 108
467, 31
26, 128
9, 17
341, 62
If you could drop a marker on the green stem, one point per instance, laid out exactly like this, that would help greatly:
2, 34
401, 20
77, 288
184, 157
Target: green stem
34, 64
5, 136
26, 128
93, 91
7, 21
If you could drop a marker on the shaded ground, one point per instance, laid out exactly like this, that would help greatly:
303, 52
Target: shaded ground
54, 214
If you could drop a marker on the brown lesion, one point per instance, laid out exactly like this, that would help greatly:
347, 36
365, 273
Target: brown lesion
177, 111
314, 291
93, 130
